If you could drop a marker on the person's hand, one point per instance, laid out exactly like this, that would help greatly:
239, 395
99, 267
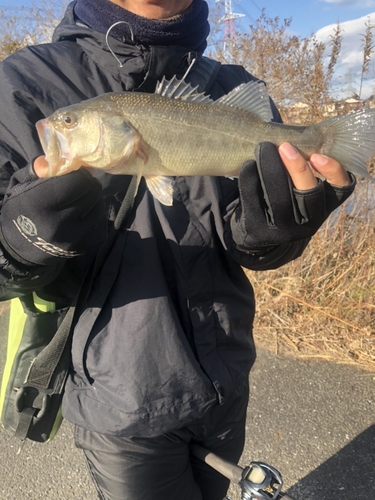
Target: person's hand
46, 220
282, 201
301, 173
40, 167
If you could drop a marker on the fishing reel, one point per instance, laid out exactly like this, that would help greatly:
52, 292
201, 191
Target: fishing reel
260, 481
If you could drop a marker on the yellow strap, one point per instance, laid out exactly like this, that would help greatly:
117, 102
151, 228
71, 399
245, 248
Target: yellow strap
43, 305
17, 320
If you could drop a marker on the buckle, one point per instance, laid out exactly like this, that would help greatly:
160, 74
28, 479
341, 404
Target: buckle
32, 397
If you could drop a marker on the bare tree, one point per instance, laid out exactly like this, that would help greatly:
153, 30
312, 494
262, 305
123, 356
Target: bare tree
23, 26
336, 41
368, 46
293, 67
14, 35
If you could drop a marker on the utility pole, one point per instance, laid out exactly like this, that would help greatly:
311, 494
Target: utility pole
229, 29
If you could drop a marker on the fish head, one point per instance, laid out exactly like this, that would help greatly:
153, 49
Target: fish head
86, 135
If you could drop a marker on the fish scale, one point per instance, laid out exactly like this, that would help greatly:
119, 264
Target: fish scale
160, 135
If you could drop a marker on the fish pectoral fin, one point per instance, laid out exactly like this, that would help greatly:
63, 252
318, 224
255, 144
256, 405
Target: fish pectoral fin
161, 188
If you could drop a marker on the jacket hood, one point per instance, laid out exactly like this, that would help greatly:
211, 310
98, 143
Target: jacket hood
139, 66
69, 29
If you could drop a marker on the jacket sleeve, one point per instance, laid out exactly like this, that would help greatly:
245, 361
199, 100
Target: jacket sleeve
19, 145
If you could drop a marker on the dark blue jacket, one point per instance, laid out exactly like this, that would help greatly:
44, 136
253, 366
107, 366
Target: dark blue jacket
166, 333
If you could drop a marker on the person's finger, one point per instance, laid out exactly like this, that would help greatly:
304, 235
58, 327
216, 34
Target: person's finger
40, 166
299, 170
330, 169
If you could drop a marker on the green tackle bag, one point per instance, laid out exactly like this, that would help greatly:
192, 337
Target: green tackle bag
36, 367
38, 353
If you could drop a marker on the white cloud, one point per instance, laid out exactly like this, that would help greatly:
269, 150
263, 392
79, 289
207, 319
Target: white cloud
348, 69
353, 3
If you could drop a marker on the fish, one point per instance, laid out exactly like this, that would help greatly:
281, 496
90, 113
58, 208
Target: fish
178, 131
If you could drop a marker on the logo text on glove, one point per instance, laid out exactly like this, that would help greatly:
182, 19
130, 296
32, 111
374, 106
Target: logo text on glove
29, 231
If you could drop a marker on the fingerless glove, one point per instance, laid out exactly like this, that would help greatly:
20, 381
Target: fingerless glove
43, 221
271, 211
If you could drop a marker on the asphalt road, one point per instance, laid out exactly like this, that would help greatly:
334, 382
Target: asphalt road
312, 420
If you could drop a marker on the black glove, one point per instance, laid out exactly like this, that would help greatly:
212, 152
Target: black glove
272, 212
46, 220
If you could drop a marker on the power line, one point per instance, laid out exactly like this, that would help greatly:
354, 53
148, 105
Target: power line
229, 28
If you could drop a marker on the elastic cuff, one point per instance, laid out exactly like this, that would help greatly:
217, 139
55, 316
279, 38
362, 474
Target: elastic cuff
29, 173
349, 187
256, 252
307, 192
33, 176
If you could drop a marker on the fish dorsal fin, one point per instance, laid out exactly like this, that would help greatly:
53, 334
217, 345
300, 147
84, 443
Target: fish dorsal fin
178, 89
251, 96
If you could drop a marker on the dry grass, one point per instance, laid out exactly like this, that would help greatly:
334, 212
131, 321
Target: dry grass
323, 304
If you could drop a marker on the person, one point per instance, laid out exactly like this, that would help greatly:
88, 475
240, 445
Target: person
163, 346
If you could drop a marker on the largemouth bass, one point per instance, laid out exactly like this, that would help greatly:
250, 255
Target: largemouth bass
179, 132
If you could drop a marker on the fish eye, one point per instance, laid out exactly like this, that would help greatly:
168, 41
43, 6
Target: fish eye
69, 120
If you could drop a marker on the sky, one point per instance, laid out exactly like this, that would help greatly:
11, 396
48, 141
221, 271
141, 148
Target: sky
321, 17
310, 16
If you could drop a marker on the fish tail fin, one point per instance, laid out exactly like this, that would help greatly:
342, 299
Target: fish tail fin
350, 139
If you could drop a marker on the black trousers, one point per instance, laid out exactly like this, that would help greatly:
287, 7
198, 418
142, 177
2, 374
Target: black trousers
162, 468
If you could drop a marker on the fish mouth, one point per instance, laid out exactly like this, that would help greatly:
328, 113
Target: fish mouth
44, 133
55, 146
